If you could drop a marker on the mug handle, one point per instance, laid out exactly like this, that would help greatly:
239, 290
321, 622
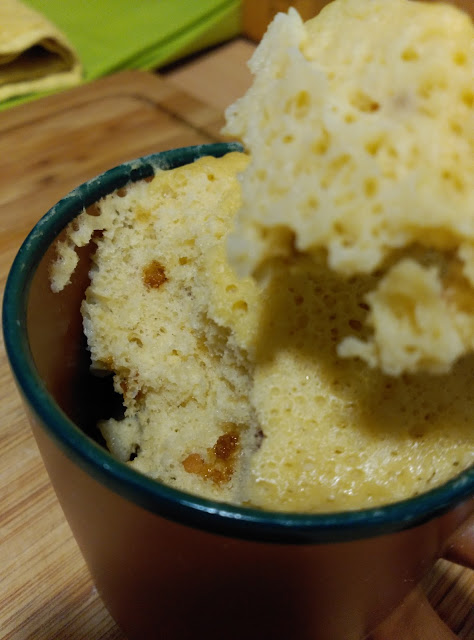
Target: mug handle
415, 618
460, 548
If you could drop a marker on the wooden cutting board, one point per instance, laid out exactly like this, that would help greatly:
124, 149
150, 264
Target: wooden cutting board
47, 148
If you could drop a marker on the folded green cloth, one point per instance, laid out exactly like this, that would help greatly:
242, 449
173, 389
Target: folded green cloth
112, 35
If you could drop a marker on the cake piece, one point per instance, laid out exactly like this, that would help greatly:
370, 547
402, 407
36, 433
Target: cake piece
360, 126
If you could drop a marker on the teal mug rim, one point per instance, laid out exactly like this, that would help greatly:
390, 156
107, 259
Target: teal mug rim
190, 510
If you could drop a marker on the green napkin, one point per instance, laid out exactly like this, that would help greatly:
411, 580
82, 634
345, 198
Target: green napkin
111, 35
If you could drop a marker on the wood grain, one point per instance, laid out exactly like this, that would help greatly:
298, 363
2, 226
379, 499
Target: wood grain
47, 148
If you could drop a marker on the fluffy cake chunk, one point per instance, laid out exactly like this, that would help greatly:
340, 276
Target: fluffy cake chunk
360, 125
187, 420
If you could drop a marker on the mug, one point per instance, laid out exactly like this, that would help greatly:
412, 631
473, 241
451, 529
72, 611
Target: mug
176, 566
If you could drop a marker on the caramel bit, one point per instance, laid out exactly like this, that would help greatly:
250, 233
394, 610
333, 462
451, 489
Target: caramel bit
219, 465
226, 445
154, 275
194, 463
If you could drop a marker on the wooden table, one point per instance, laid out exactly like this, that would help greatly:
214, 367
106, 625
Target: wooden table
47, 148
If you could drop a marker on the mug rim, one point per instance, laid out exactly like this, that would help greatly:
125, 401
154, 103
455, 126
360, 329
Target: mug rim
188, 509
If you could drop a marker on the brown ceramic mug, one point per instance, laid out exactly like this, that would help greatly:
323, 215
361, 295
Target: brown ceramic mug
174, 566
